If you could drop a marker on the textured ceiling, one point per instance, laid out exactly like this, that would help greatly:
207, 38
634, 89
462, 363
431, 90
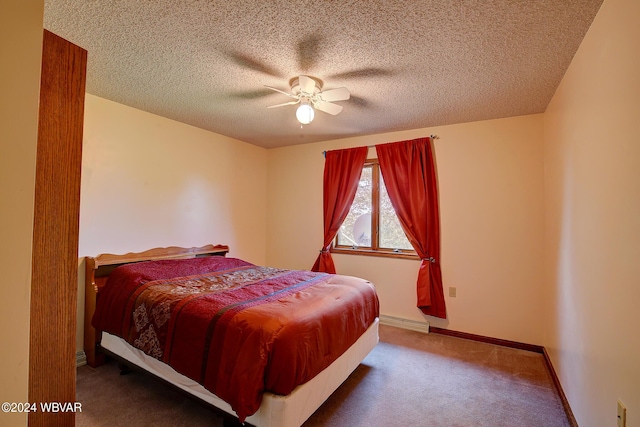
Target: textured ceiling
407, 64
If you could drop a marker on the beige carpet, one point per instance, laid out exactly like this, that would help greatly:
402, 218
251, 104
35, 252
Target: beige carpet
409, 379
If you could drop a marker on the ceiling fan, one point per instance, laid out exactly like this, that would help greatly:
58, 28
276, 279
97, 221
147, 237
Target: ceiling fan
307, 91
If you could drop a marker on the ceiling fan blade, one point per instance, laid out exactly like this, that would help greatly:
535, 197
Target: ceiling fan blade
339, 94
359, 101
307, 84
251, 63
251, 94
328, 107
308, 50
363, 73
281, 91
282, 105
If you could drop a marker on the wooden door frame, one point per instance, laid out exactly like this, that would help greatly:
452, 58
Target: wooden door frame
54, 282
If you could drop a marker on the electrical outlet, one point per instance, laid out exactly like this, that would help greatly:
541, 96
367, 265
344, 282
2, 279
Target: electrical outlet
622, 414
452, 291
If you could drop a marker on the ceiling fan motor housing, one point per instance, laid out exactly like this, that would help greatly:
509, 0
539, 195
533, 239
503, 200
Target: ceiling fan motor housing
308, 90
296, 89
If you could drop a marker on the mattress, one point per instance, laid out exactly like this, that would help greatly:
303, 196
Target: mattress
236, 328
275, 411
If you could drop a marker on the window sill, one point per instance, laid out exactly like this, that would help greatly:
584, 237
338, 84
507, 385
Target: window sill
370, 252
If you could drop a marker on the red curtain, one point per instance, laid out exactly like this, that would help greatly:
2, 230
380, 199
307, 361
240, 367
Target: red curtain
408, 170
342, 170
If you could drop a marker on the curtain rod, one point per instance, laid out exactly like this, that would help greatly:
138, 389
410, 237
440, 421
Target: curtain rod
324, 153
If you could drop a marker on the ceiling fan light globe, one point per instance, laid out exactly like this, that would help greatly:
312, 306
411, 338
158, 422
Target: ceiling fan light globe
305, 114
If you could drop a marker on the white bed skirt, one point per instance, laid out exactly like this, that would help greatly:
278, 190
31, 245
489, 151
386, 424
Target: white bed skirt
275, 410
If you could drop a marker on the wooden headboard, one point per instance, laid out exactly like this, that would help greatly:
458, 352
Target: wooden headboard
98, 269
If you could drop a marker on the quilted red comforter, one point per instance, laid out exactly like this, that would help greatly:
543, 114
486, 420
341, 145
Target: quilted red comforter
236, 328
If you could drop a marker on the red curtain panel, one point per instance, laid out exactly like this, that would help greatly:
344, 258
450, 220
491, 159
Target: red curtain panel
342, 170
408, 170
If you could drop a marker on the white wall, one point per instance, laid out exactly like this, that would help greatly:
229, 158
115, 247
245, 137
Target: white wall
592, 162
21, 56
491, 203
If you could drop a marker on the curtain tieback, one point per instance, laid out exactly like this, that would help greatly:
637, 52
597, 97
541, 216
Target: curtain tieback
430, 259
324, 251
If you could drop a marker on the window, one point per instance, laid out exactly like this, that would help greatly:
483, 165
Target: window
372, 227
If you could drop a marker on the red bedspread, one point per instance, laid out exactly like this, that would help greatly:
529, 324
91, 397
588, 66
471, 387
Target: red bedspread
236, 328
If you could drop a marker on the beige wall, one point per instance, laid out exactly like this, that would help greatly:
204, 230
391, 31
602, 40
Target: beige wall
592, 162
491, 194
21, 50
148, 181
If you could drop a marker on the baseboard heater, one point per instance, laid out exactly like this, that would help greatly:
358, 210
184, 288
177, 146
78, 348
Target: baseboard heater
399, 322
81, 358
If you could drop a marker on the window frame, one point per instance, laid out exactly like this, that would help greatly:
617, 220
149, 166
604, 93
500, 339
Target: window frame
375, 249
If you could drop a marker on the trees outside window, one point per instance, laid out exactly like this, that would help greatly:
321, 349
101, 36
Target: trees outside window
372, 226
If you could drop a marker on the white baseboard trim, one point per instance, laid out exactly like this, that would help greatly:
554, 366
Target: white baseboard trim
399, 322
81, 358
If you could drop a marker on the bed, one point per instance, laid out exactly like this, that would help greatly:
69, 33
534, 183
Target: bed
264, 346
